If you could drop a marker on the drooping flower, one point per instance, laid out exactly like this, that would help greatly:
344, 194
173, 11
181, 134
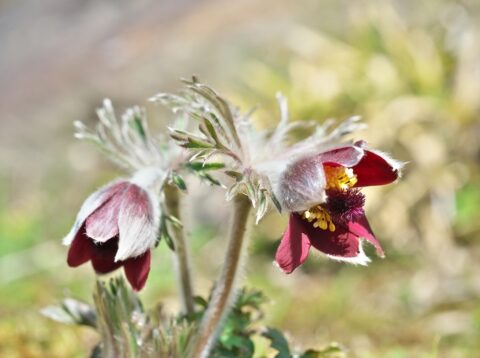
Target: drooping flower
315, 179
335, 223
117, 226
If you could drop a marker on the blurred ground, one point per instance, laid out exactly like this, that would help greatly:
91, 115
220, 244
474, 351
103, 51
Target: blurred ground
411, 70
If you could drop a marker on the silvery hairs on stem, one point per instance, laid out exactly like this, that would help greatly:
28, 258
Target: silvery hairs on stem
254, 159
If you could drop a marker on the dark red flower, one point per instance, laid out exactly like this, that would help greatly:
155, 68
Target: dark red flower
337, 225
116, 226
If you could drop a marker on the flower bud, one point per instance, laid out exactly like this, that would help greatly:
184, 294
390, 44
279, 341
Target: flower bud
117, 226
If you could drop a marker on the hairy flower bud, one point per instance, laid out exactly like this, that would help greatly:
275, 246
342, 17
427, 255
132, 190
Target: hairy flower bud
117, 226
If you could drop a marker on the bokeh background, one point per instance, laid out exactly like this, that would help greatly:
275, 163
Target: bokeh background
411, 69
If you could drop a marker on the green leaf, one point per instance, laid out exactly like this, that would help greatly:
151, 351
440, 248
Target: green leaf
211, 130
251, 298
189, 140
236, 175
138, 125
194, 143
164, 234
198, 166
276, 202
209, 178
277, 342
262, 207
199, 300
175, 222
168, 239
179, 182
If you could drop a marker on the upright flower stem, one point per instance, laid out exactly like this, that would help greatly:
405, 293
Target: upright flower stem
172, 202
224, 291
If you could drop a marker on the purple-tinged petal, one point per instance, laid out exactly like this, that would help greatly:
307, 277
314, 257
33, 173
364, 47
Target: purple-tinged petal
294, 247
102, 224
340, 243
92, 203
103, 256
361, 228
79, 251
137, 270
138, 222
346, 156
375, 168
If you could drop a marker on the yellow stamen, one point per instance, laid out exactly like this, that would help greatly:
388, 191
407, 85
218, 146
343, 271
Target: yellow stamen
340, 178
320, 218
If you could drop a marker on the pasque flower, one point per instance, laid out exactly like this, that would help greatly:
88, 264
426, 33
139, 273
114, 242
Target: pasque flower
314, 179
117, 226
336, 224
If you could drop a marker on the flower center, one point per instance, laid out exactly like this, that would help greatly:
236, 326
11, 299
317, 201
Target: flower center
343, 203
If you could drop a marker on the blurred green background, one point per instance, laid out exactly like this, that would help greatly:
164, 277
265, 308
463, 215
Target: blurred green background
410, 69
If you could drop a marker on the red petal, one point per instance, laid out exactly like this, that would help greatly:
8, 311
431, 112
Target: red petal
294, 247
345, 156
373, 169
361, 228
79, 251
103, 256
340, 243
137, 270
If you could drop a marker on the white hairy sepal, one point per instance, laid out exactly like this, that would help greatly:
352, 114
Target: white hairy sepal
149, 178
301, 186
137, 233
92, 203
138, 229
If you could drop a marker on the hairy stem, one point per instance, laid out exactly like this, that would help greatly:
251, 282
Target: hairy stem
172, 202
224, 291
